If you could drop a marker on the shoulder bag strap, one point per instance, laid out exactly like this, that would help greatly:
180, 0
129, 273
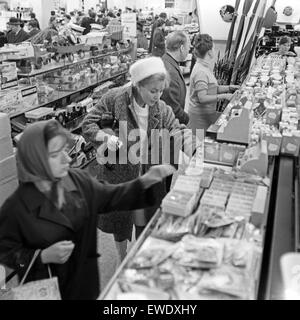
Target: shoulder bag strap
36, 253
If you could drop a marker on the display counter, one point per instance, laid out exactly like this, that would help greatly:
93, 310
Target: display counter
164, 264
285, 227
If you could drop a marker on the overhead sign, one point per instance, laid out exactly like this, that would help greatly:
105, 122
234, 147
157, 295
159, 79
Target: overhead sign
129, 23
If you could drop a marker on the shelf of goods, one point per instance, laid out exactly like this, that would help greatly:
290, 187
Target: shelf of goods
64, 91
220, 232
52, 84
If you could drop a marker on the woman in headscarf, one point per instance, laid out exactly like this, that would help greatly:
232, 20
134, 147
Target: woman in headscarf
142, 117
55, 210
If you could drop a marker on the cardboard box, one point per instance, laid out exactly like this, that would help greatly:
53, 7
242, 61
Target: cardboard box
290, 145
274, 144
211, 151
12, 101
273, 116
7, 188
228, 153
8, 168
258, 208
6, 148
8, 75
5, 128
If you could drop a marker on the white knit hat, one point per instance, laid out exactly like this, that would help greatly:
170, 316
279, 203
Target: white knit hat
145, 68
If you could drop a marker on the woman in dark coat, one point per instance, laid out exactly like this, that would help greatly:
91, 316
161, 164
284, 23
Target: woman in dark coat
159, 40
55, 209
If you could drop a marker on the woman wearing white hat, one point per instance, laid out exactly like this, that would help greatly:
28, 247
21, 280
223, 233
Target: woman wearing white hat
136, 106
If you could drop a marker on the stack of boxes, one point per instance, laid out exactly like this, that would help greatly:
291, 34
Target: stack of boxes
8, 167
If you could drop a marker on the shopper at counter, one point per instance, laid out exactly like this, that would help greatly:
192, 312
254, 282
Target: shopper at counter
142, 41
284, 47
87, 21
33, 18
178, 46
138, 106
17, 34
162, 16
55, 209
204, 89
32, 28
159, 41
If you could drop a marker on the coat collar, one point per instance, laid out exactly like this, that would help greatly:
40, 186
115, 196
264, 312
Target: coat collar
174, 63
35, 199
154, 111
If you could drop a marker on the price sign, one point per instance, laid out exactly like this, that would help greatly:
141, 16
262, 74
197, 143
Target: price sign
129, 23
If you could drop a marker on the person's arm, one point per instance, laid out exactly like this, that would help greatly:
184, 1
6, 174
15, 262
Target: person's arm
201, 86
137, 194
227, 89
171, 96
90, 128
13, 251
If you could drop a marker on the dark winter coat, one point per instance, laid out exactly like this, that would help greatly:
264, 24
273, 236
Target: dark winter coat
175, 95
29, 221
159, 43
17, 38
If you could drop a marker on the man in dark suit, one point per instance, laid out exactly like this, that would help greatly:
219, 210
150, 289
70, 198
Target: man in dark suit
17, 34
177, 49
163, 16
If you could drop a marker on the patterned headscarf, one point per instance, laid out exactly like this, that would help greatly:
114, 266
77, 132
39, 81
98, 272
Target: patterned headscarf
32, 155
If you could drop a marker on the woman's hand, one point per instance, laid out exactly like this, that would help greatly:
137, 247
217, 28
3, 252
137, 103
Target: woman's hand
225, 96
157, 174
113, 143
58, 253
233, 88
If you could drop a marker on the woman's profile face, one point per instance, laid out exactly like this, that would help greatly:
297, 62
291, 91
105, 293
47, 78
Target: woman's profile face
58, 158
284, 48
152, 91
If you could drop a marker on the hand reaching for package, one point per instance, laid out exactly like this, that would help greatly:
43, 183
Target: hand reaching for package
157, 174
233, 88
225, 96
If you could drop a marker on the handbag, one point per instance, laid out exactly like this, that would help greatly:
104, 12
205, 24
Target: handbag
46, 289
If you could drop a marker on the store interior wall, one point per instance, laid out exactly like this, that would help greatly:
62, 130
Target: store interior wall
212, 23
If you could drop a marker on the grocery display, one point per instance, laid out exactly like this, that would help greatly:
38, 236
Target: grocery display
229, 226
209, 240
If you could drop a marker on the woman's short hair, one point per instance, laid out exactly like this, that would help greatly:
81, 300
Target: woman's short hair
202, 44
54, 129
175, 40
285, 39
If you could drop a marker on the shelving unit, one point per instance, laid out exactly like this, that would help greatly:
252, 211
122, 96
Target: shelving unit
66, 94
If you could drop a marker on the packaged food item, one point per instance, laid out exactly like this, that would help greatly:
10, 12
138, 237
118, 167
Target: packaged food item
227, 280
199, 253
152, 253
